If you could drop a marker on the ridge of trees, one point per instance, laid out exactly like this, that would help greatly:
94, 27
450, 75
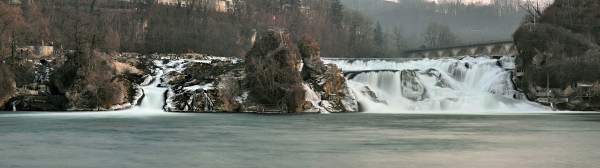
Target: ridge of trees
145, 27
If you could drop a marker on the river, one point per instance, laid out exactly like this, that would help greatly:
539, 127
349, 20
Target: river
461, 113
135, 138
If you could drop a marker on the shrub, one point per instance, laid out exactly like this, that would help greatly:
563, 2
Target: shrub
7, 83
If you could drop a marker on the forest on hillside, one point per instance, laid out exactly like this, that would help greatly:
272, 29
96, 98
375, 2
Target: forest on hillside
560, 45
146, 27
87, 35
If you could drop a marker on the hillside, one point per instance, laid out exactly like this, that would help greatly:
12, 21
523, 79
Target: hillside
560, 48
86, 36
148, 26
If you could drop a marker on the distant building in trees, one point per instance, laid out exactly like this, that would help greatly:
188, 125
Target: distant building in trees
183, 3
18, 2
217, 5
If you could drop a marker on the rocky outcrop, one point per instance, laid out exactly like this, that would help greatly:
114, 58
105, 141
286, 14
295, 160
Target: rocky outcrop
106, 84
112, 85
440, 80
326, 81
310, 52
411, 85
273, 78
269, 80
368, 93
206, 86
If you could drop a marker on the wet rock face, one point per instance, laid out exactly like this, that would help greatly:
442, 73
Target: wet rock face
334, 94
37, 103
440, 81
411, 85
310, 52
206, 87
367, 92
327, 81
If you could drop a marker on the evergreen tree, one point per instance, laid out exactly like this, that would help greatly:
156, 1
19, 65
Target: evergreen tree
337, 13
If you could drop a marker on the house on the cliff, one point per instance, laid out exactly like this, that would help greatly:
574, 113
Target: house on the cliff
37, 51
587, 90
183, 3
18, 2
216, 5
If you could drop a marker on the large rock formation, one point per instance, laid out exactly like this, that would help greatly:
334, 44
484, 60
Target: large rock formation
272, 67
268, 80
411, 85
214, 86
562, 50
310, 52
327, 89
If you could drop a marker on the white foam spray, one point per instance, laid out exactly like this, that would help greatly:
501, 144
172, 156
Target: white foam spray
452, 85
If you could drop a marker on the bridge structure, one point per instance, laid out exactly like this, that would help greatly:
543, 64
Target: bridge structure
501, 47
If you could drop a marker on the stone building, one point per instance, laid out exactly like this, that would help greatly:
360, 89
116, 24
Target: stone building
183, 3
216, 5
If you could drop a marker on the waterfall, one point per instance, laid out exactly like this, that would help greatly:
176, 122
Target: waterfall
14, 104
208, 103
462, 85
153, 100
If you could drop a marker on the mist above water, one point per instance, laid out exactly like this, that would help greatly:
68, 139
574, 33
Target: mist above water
446, 85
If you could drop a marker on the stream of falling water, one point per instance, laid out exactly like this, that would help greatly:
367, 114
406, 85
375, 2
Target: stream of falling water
446, 85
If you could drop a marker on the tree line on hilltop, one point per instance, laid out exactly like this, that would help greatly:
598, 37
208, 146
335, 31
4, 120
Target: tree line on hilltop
144, 26
81, 31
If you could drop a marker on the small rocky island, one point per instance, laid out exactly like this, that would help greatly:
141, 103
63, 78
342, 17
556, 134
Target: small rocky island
74, 82
270, 79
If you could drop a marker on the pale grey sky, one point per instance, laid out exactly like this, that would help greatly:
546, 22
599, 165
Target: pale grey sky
486, 1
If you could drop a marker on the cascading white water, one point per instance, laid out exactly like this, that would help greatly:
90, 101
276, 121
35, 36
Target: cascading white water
153, 100
14, 104
154, 97
470, 84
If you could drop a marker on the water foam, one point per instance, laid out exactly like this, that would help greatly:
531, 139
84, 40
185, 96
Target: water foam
452, 85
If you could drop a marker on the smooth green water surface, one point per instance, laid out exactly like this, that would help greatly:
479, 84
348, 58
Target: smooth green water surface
123, 139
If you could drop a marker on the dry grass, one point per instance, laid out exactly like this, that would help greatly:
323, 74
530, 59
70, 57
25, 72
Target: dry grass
123, 68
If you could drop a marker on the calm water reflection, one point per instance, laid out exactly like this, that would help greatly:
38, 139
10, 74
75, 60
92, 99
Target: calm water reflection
125, 139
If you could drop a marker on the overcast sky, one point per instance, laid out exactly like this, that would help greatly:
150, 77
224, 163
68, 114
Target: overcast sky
483, 1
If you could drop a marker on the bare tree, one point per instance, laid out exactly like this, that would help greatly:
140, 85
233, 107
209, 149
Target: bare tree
6, 21
398, 38
533, 8
438, 35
